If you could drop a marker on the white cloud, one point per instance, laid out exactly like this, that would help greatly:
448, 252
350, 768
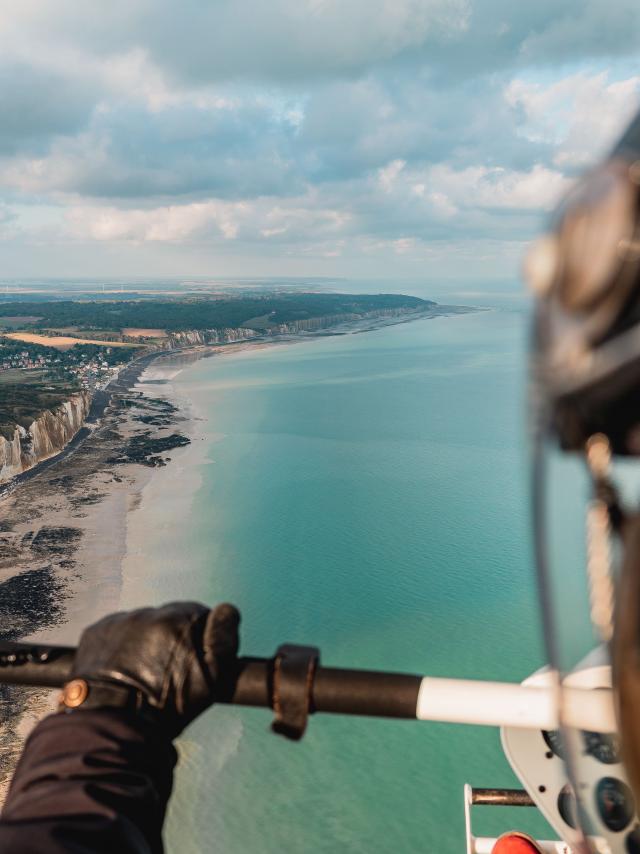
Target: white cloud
442, 205
580, 115
211, 221
298, 217
388, 174
173, 223
307, 128
439, 202
497, 188
208, 42
575, 28
403, 245
445, 191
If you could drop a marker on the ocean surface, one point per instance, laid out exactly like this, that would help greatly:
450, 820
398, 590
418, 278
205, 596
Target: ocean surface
367, 494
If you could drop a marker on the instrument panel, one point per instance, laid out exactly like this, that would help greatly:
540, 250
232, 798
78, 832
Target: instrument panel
606, 804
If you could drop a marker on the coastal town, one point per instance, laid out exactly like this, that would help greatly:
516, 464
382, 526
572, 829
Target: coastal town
88, 367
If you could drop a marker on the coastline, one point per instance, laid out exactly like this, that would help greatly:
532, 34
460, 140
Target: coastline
70, 537
63, 537
165, 498
94, 511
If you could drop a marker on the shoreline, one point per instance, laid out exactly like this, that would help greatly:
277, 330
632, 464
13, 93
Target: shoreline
65, 524
71, 541
130, 374
63, 540
139, 587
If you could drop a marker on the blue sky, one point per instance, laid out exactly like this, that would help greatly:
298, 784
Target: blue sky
390, 138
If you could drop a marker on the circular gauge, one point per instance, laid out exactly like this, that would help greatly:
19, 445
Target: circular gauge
602, 746
567, 806
632, 842
615, 803
553, 740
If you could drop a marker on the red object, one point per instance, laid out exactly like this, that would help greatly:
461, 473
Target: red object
516, 843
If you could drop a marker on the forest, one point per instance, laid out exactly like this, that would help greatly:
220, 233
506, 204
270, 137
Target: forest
201, 313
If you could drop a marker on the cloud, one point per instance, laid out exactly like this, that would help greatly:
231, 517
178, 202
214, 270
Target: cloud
304, 128
206, 221
242, 144
203, 42
580, 115
538, 189
402, 207
32, 108
579, 28
294, 42
170, 224
388, 174
506, 36
232, 150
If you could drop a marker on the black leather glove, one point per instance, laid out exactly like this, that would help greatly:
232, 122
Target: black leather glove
168, 664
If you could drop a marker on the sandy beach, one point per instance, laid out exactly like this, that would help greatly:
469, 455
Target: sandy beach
76, 534
63, 530
164, 499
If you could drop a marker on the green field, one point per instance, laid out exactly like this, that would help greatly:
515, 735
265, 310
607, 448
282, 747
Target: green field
20, 375
18, 322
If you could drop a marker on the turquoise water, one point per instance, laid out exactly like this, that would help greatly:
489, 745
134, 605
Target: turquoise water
366, 494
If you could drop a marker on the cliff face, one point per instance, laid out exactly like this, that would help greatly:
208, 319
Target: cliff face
208, 336
46, 436
326, 321
227, 336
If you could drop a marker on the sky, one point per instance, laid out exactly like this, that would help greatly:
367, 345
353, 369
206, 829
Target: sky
356, 138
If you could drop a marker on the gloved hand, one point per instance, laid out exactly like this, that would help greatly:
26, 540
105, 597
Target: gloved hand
168, 664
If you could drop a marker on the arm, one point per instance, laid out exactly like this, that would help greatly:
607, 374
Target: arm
94, 781
97, 776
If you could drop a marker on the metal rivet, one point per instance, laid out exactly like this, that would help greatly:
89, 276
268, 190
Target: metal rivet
75, 693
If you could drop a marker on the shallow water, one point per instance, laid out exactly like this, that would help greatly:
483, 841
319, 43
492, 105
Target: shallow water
367, 494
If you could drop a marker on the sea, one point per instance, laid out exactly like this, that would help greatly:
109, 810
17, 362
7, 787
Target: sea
367, 494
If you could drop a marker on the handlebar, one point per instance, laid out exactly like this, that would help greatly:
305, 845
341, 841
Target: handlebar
334, 690
265, 682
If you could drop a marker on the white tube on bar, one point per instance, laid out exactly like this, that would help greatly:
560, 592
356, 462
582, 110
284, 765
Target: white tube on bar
471, 701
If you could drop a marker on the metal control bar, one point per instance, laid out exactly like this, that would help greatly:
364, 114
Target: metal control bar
335, 690
264, 681
501, 798
474, 796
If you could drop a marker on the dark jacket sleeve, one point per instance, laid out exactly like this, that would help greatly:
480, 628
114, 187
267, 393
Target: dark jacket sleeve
88, 782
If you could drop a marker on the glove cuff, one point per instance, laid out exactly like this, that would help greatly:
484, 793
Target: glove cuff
94, 694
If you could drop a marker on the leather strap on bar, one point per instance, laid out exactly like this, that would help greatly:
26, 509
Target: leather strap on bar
293, 671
